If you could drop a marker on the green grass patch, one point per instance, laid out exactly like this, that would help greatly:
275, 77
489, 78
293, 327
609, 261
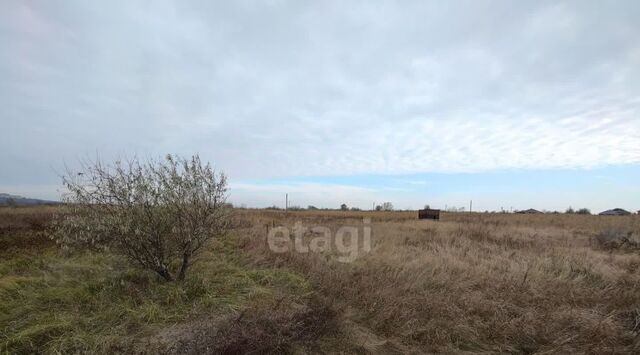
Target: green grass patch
99, 303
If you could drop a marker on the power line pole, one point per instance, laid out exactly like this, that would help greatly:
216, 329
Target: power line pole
286, 202
470, 205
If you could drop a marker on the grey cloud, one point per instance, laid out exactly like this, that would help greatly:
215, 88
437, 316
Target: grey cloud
279, 88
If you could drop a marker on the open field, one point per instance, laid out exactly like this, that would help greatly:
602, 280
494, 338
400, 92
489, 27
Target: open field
476, 283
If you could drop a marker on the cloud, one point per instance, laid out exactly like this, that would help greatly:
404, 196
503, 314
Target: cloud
279, 88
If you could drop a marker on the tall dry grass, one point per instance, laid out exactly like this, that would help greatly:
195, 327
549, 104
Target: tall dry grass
474, 282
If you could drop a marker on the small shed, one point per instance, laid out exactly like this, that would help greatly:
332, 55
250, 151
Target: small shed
429, 214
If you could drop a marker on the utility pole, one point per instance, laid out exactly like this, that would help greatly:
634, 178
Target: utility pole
470, 205
286, 202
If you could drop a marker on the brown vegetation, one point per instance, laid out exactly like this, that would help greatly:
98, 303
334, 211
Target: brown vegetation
22, 229
478, 282
469, 283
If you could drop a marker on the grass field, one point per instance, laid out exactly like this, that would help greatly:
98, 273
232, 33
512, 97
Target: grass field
476, 283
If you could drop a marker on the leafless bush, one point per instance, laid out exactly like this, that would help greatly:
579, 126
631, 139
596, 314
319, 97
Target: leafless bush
158, 213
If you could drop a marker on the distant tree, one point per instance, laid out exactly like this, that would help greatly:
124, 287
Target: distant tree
355, 209
344, 207
583, 211
312, 208
387, 206
159, 214
378, 208
427, 207
569, 210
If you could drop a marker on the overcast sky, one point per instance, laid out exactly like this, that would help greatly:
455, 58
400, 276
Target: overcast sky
323, 98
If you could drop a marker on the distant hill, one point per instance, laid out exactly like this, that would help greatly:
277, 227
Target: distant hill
6, 200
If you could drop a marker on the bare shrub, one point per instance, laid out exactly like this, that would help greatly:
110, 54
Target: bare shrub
158, 213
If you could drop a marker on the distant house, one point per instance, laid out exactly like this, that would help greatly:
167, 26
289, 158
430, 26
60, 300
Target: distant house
529, 211
615, 212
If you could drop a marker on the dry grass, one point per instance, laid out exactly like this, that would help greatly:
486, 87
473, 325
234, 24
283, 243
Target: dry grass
476, 283
89, 303
284, 326
22, 229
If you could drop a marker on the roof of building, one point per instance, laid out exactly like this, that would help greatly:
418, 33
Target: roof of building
615, 212
530, 210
